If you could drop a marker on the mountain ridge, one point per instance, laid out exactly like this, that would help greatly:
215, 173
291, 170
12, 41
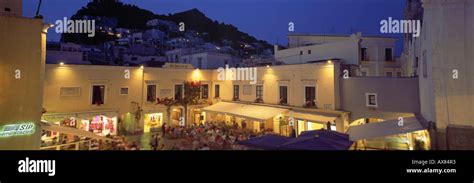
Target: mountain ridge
135, 18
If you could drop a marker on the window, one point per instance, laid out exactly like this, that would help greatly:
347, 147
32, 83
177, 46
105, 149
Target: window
399, 74
363, 73
425, 65
98, 94
8, 9
178, 92
388, 74
217, 91
388, 54
151, 93
371, 100
309, 52
301, 52
123, 91
363, 54
236, 92
259, 93
204, 91
199, 64
310, 96
283, 95
134, 58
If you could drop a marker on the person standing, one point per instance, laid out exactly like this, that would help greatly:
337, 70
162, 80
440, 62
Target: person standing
163, 129
154, 142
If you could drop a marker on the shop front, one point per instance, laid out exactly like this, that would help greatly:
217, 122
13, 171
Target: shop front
252, 117
102, 123
308, 122
391, 135
152, 122
57, 137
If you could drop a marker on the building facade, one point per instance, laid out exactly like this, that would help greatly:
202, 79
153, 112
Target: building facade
369, 55
22, 60
442, 58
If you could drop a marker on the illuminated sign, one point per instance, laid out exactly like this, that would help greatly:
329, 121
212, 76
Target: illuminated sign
17, 129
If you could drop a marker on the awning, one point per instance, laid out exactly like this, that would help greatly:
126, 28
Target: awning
266, 142
311, 117
254, 112
316, 144
384, 128
71, 131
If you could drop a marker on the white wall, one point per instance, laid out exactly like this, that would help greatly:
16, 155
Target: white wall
348, 51
448, 40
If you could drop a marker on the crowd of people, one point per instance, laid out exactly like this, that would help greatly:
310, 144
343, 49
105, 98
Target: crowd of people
121, 143
207, 136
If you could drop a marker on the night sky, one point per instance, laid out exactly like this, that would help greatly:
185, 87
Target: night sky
264, 19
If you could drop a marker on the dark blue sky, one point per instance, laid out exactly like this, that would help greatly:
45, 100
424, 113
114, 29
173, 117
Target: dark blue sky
264, 19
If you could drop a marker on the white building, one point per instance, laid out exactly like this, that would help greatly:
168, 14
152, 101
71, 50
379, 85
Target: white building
371, 55
444, 53
203, 59
172, 27
67, 53
139, 59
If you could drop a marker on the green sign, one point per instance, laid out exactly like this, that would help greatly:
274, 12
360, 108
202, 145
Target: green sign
17, 129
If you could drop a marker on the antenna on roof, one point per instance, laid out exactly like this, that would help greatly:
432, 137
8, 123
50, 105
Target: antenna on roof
38, 10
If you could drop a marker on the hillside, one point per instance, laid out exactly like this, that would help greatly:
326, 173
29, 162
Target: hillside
135, 18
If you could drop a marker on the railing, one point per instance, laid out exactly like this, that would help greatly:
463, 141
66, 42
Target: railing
79, 145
